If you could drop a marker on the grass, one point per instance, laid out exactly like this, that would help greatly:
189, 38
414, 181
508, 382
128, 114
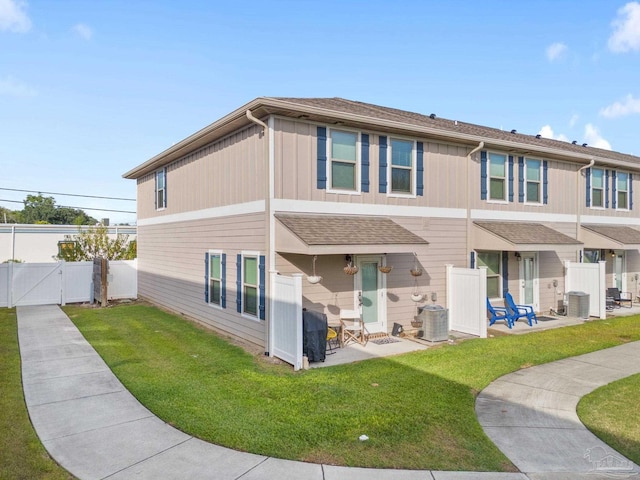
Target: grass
417, 409
22, 456
610, 413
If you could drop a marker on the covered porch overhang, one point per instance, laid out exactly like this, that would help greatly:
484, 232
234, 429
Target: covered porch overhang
610, 237
321, 234
519, 236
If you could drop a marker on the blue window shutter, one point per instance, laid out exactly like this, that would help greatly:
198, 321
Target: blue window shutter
262, 288
155, 190
614, 189
223, 280
206, 277
483, 175
364, 158
382, 169
545, 183
164, 197
239, 283
521, 179
511, 178
588, 189
420, 169
505, 272
630, 191
472, 260
322, 158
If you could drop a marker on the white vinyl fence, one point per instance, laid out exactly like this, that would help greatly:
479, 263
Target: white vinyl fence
588, 278
466, 300
62, 282
286, 319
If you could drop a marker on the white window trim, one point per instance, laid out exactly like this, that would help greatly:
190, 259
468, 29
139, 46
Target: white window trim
243, 314
540, 182
626, 207
164, 189
604, 189
414, 168
507, 191
358, 172
215, 253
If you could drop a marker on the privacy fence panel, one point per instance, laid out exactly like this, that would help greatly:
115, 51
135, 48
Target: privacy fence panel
466, 300
286, 319
588, 278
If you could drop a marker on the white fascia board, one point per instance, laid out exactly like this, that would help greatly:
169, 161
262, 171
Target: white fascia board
216, 212
505, 215
337, 208
619, 221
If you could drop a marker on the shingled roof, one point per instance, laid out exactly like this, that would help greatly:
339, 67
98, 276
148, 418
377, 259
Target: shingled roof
621, 234
527, 233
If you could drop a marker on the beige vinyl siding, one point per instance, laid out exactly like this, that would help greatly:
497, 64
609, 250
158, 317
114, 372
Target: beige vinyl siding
171, 268
227, 172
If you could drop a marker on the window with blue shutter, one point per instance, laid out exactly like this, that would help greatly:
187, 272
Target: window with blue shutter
419, 169
520, 179
588, 187
630, 191
223, 297
262, 286
206, 277
614, 190
364, 155
161, 189
545, 184
215, 278
239, 283
505, 272
483, 175
251, 285
382, 164
321, 170
472, 260
511, 179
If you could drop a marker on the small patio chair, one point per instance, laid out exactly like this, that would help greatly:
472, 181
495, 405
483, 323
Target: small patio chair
619, 297
519, 311
353, 329
498, 313
332, 337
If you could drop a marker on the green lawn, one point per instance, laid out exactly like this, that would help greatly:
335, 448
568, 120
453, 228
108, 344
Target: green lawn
610, 413
22, 456
417, 409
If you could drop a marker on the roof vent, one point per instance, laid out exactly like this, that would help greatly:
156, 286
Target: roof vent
538, 136
432, 116
584, 144
574, 142
513, 131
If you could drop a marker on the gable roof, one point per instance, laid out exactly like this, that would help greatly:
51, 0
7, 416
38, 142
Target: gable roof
385, 119
511, 236
610, 236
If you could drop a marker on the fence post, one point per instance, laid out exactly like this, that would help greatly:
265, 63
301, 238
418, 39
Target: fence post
62, 273
10, 285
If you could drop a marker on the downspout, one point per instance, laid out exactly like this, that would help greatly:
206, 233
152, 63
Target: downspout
578, 207
469, 189
267, 225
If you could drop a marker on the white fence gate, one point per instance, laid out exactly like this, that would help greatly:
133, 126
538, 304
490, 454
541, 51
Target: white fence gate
62, 282
466, 300
588, 278
285, 336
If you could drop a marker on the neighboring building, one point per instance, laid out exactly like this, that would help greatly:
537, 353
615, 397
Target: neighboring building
280, 181
40, 243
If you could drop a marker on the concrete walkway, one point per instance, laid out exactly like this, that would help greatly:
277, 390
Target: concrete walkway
96, 429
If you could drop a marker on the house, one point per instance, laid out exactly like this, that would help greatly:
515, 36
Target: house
311, 185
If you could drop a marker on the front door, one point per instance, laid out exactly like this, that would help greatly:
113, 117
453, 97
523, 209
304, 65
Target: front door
369, 291
529, 291
619, 273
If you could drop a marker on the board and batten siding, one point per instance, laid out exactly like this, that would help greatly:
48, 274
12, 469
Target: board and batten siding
227, 172
171, 268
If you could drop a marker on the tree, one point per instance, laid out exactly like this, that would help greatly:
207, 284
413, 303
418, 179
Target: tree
40, 209
95, 242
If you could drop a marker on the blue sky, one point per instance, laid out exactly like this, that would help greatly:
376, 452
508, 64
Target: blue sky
89, 89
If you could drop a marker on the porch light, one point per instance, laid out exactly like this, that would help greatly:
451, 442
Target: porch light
612, 253
518, 256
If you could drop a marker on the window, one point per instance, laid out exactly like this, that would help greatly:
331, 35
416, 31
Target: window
491, 260
215, 278
402, 166
622, 190
533, 180
597, 187
161, 189
591, 256
250, 285
497, 176
344, 160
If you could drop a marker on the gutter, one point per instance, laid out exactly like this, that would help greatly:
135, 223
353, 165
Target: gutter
578, 189
479, 147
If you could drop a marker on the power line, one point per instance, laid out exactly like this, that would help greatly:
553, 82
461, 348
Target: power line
69, 194
76, 208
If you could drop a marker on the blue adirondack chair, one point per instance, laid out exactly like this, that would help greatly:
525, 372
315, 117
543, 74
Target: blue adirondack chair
498, 313
519, 311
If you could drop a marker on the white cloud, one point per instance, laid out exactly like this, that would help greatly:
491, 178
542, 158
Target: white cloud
626, 29
556, 51
574, 119
13, 17
628, 106
11, 87
592, 137
547, 132
83, 30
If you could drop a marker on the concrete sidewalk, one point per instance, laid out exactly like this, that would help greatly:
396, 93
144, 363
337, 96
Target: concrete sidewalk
96, 429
